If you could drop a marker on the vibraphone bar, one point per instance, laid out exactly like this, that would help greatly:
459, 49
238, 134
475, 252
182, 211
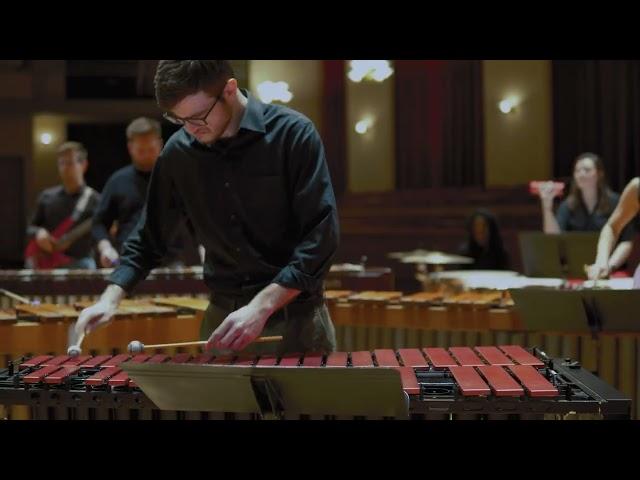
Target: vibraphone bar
64, 286
503, 382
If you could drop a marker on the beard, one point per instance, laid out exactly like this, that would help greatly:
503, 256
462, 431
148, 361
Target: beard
210, 134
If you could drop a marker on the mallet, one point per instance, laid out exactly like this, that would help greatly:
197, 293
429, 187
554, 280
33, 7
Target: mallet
138, 347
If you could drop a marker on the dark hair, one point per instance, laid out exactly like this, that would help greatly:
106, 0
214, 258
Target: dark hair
574, 199
176, 79
142, 126
495, 257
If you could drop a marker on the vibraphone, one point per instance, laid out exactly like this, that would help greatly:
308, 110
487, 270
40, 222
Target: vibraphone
505, 382
368, 320
64, 286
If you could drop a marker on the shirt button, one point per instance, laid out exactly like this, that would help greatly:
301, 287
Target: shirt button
232, 217
226, 184
238, 249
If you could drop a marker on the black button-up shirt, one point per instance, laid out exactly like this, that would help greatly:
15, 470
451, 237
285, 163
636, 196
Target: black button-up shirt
261, 203
122, 200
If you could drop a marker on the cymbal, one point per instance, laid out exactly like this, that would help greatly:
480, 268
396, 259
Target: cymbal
401, 255
437, 258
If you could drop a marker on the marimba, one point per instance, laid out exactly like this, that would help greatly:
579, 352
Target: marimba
64, 286
392, 319
504, 382
44, 328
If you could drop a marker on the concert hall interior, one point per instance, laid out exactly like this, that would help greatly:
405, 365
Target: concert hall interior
319, 239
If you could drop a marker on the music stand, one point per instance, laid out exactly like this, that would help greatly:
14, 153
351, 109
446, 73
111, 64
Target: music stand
578, 249
557, 255
617, 310
272, 391
540, 254
547, 310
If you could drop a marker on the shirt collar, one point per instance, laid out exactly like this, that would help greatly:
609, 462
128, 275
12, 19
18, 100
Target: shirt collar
253, 117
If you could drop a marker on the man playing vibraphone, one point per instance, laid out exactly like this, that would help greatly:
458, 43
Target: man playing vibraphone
253, 180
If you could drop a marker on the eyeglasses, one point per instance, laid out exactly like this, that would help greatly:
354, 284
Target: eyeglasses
199, 122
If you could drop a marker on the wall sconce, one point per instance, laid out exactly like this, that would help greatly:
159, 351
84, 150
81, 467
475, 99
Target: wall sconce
508, 105
375, 70
46, 138
363, 125
274, 91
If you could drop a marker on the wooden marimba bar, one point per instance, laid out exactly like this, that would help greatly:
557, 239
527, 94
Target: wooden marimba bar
64, 286
505, 382
44, 328
27, 329
394, 320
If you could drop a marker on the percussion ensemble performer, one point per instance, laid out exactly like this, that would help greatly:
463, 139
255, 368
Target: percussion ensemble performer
122, 200
59, 232
620, 220
588, 207
252, 179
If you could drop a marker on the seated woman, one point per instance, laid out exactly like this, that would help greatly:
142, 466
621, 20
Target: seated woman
620, 220
587, 207
484, 243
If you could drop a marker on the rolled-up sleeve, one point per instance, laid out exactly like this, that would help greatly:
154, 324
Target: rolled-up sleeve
314, 208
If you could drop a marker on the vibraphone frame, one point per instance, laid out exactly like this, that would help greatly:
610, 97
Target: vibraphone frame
573, 390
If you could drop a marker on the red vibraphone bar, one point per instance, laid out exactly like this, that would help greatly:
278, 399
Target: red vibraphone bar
506, 381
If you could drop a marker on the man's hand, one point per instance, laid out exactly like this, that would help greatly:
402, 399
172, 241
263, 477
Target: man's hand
100, 313
44, 240
95, 316
239, 329
109, 257
243, 326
